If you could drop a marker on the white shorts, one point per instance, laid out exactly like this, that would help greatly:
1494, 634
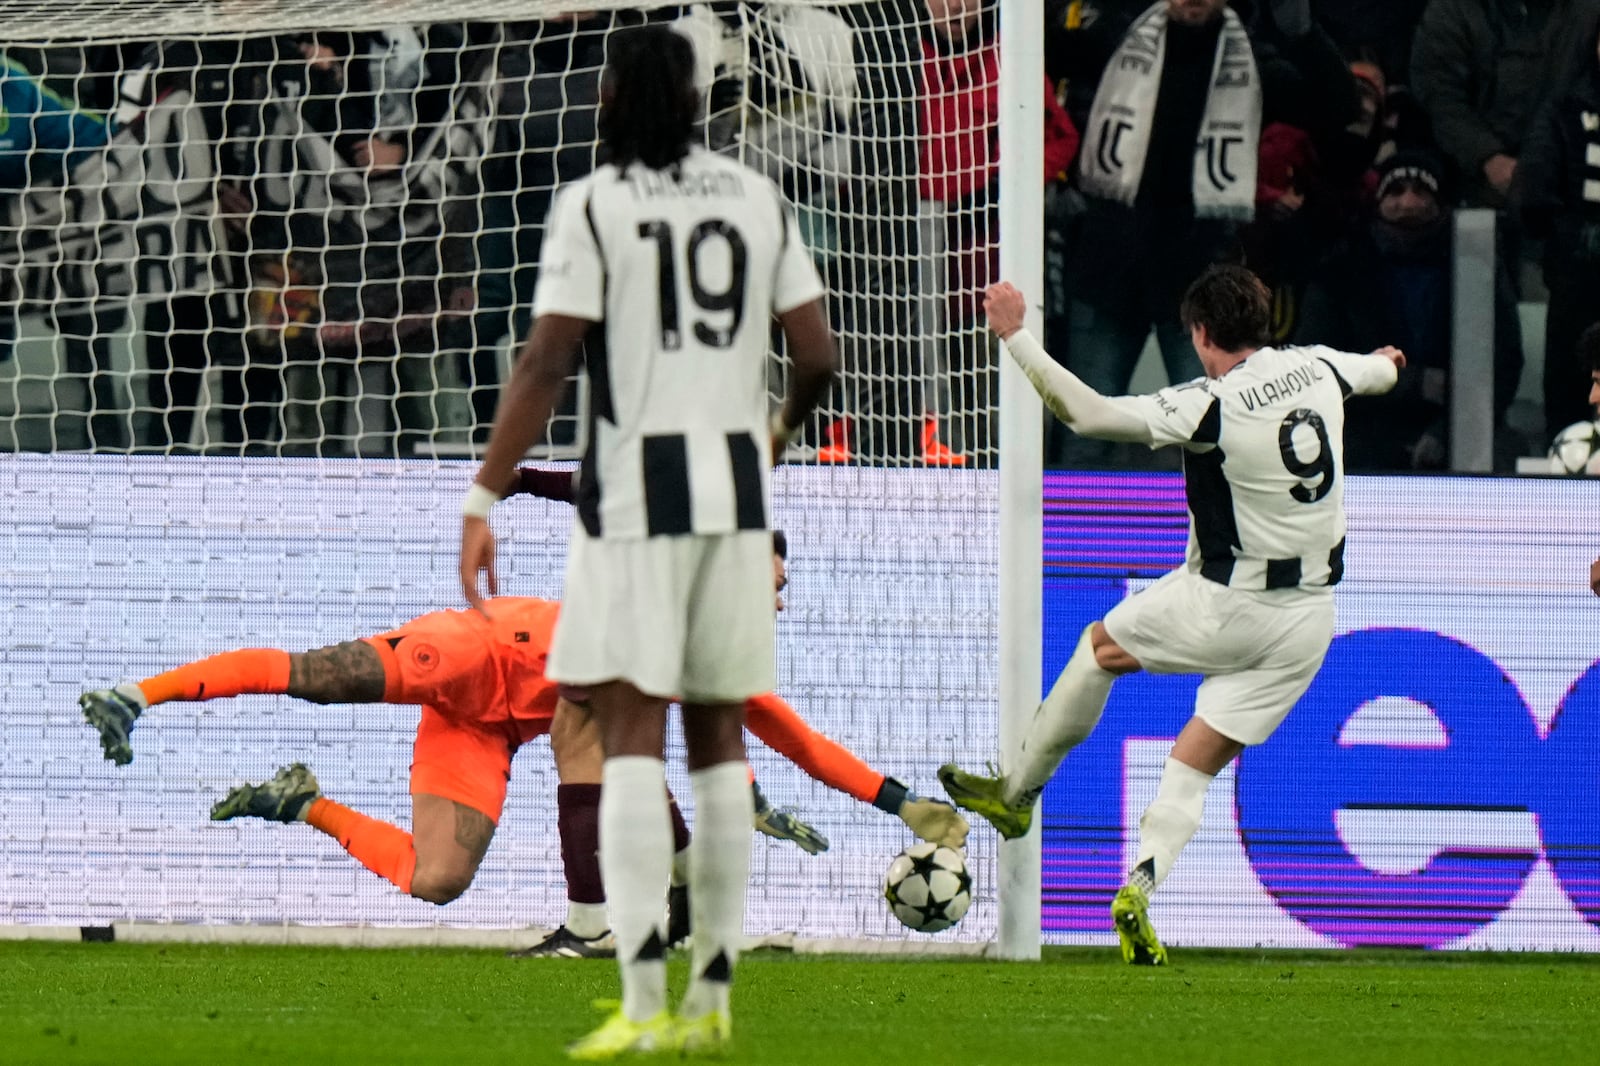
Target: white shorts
687, 617
1259, 651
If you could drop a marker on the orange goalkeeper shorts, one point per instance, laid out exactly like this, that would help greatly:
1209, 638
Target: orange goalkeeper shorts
462, 761
448, 662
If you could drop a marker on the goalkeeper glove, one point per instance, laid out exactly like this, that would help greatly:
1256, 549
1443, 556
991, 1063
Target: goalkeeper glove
786, 825
932, 820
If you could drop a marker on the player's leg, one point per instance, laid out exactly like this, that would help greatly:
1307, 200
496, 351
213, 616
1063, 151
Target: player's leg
719, 864
1280, 648
576, 744
458, 780
1061, 722
621, 635
1198, 755
450, 840
459, 770
729, 656
435, 862
344, 673
1166, 827
635, 847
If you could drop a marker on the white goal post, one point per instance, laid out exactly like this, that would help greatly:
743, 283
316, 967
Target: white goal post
1021, 473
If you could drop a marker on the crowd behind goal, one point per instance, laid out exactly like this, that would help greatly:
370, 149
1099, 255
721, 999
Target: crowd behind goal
326, 242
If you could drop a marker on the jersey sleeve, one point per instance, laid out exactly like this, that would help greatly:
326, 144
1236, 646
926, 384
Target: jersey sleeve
780, 727
797, 282
1363, 375
1174, 415
571, 268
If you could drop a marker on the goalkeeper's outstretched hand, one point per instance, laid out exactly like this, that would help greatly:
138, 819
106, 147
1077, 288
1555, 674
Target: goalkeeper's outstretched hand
935, 821
786, 825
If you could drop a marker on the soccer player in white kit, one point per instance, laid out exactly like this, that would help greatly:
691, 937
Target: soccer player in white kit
666, 265
1251, 609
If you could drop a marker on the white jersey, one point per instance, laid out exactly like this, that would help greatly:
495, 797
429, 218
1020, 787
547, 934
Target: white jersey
1264, 463
682, 270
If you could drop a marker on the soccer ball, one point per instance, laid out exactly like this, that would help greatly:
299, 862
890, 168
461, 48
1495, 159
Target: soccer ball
928, 887
1576, 450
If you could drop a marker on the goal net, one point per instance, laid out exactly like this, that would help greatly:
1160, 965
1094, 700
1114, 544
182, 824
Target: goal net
263, 268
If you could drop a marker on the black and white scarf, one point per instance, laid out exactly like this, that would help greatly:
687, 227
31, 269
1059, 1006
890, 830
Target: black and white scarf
1118, 139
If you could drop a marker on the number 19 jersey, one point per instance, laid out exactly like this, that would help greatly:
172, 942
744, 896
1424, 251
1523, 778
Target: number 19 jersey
1264, 463
681, 270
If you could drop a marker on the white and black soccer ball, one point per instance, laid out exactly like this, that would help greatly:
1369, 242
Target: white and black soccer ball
928, 887
1576, 450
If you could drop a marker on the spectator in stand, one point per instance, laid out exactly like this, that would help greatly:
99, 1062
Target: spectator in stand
1560, 193
1480, 68
43, 136
188, 333
1311, 191
549, 77
398, 283
1168, 167
1391, 282
823, 98
1298, 215
959, 180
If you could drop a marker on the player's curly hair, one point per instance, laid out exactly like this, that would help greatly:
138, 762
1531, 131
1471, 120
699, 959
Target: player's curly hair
1233, 305
648, 100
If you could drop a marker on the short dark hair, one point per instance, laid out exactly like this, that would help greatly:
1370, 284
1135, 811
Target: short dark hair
780, 545
1589, 347
648, 99
1232, 305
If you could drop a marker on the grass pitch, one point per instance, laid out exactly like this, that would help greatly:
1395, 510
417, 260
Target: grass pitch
148, 1003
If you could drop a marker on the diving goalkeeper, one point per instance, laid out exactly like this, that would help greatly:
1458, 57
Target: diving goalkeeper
483, 692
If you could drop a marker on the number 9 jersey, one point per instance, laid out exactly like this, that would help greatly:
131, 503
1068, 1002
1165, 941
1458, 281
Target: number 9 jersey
1264, 462
682, 270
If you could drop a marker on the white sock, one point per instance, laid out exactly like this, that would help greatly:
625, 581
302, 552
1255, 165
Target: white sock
719, 874
1063, 721
680, 866
1170, 821
635, 862
586, 920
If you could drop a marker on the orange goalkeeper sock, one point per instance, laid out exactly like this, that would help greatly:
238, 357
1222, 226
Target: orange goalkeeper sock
230, 674
385, 849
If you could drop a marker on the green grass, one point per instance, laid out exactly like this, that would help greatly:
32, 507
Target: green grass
137, 1003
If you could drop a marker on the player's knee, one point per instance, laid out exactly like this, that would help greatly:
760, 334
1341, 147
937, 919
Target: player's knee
440, 886
1108, 654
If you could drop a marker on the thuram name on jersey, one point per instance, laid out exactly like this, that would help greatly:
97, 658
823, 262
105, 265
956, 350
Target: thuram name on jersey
656, 184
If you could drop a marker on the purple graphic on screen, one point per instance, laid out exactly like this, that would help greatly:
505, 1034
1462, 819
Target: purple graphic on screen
1407, 734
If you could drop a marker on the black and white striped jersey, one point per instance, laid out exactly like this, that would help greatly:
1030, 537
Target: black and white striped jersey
1264, 462
681, 271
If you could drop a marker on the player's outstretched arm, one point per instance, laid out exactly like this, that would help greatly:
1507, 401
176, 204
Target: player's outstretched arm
1594, 577
1069, 399
780, 727
536, 385
1366, 375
